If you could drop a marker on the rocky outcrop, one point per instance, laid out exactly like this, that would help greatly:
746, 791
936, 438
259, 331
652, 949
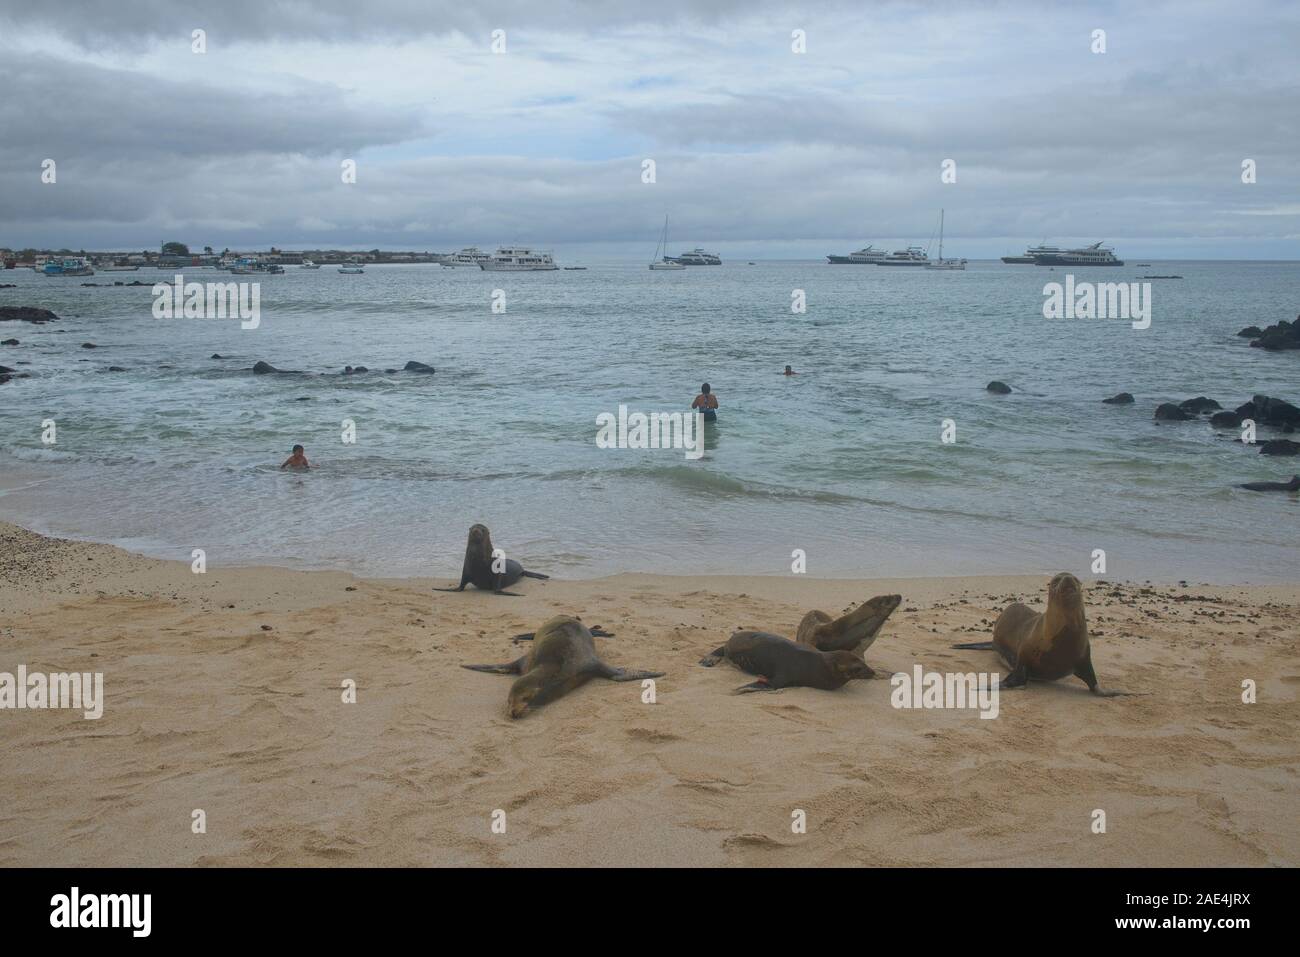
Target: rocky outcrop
1123, 398
9, 342
414, 366
1168, 412
1199, 405
1279, 447
1269, 411
1275, 338
26, 314
263, 368
1225, 420
998, 388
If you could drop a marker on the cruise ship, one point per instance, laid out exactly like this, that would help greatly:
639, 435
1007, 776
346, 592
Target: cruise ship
518, 259
911, 256
1094, 255
696, 257
469, 256
866, 256
1027, 259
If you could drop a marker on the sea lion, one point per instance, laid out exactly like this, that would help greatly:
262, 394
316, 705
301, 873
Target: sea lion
852, 632
1291, 486
1046, 646
479, 560
562, 658
782, 663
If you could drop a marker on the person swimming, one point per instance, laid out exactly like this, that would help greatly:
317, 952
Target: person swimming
297, 461
789, 371
706, 401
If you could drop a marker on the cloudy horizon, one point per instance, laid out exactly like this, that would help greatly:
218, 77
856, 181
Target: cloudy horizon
759, 152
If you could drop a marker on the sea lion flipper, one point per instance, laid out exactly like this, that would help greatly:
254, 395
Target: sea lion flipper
1019, 678
526, 636
528, 574
512, 594
509, 668
714, 656
461, 588
759, 685
620, 674
599, 632
977, 646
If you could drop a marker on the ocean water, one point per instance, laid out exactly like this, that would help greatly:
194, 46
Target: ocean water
843, 461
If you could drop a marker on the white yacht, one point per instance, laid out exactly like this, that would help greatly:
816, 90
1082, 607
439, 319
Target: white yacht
696, 257
911, 256
469, 256
865, 256
308, 264
942, 263
661, 260
518, 259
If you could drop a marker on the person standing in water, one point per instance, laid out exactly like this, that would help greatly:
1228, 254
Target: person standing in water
706, 401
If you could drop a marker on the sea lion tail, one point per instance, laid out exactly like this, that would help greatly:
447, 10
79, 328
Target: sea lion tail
510, 668
528, 574
978, 646
620, 674
714, 656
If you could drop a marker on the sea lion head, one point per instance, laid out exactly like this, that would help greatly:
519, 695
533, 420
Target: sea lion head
848, 666
1065, 592
480, 540
523, 693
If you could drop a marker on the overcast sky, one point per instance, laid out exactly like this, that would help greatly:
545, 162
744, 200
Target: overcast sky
759, 151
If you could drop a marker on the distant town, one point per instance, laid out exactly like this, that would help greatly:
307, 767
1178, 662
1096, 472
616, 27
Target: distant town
175, 254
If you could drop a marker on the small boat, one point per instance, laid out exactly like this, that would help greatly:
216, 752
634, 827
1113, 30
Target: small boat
941, 263
308, 264
68, 267
352, 270
661, 262
575, 268
117, 267
696, 257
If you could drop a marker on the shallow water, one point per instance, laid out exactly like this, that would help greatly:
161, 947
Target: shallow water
843, 461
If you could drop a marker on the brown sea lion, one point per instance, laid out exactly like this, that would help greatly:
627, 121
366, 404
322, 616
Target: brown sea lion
478, 570
852, 632
1046, 646
782, 663
562, 658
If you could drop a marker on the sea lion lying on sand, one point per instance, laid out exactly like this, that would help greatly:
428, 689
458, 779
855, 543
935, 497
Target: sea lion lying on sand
1049, 645
782, 663
562, 658
479, 560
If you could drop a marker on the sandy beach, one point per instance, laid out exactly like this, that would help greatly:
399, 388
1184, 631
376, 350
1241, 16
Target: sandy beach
223, 692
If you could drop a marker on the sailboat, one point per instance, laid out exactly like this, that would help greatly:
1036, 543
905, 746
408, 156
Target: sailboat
661, 260
942, 263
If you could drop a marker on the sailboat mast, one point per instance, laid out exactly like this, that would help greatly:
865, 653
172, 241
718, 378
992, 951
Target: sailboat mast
941, 235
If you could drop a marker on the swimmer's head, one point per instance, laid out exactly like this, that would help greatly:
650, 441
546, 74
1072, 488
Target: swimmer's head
298, 450
705, 388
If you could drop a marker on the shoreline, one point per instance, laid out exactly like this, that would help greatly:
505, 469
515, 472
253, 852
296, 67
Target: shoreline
222, 693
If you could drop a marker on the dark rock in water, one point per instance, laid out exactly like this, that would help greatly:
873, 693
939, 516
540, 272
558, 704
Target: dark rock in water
1291, 486
8, 285
353, 370
9, 342
303, 398
1225, 420
116, 369
215, 355
1123, 398
6, 369
5, 378
1279, 447
89, 345
1199, 404
1168, 412
390, 371
263, 368
1251, 332
414, 366
25, 314
1284, 335
998, 388
1268, 411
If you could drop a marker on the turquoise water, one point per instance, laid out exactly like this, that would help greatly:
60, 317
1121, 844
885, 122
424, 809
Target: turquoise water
843, 461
